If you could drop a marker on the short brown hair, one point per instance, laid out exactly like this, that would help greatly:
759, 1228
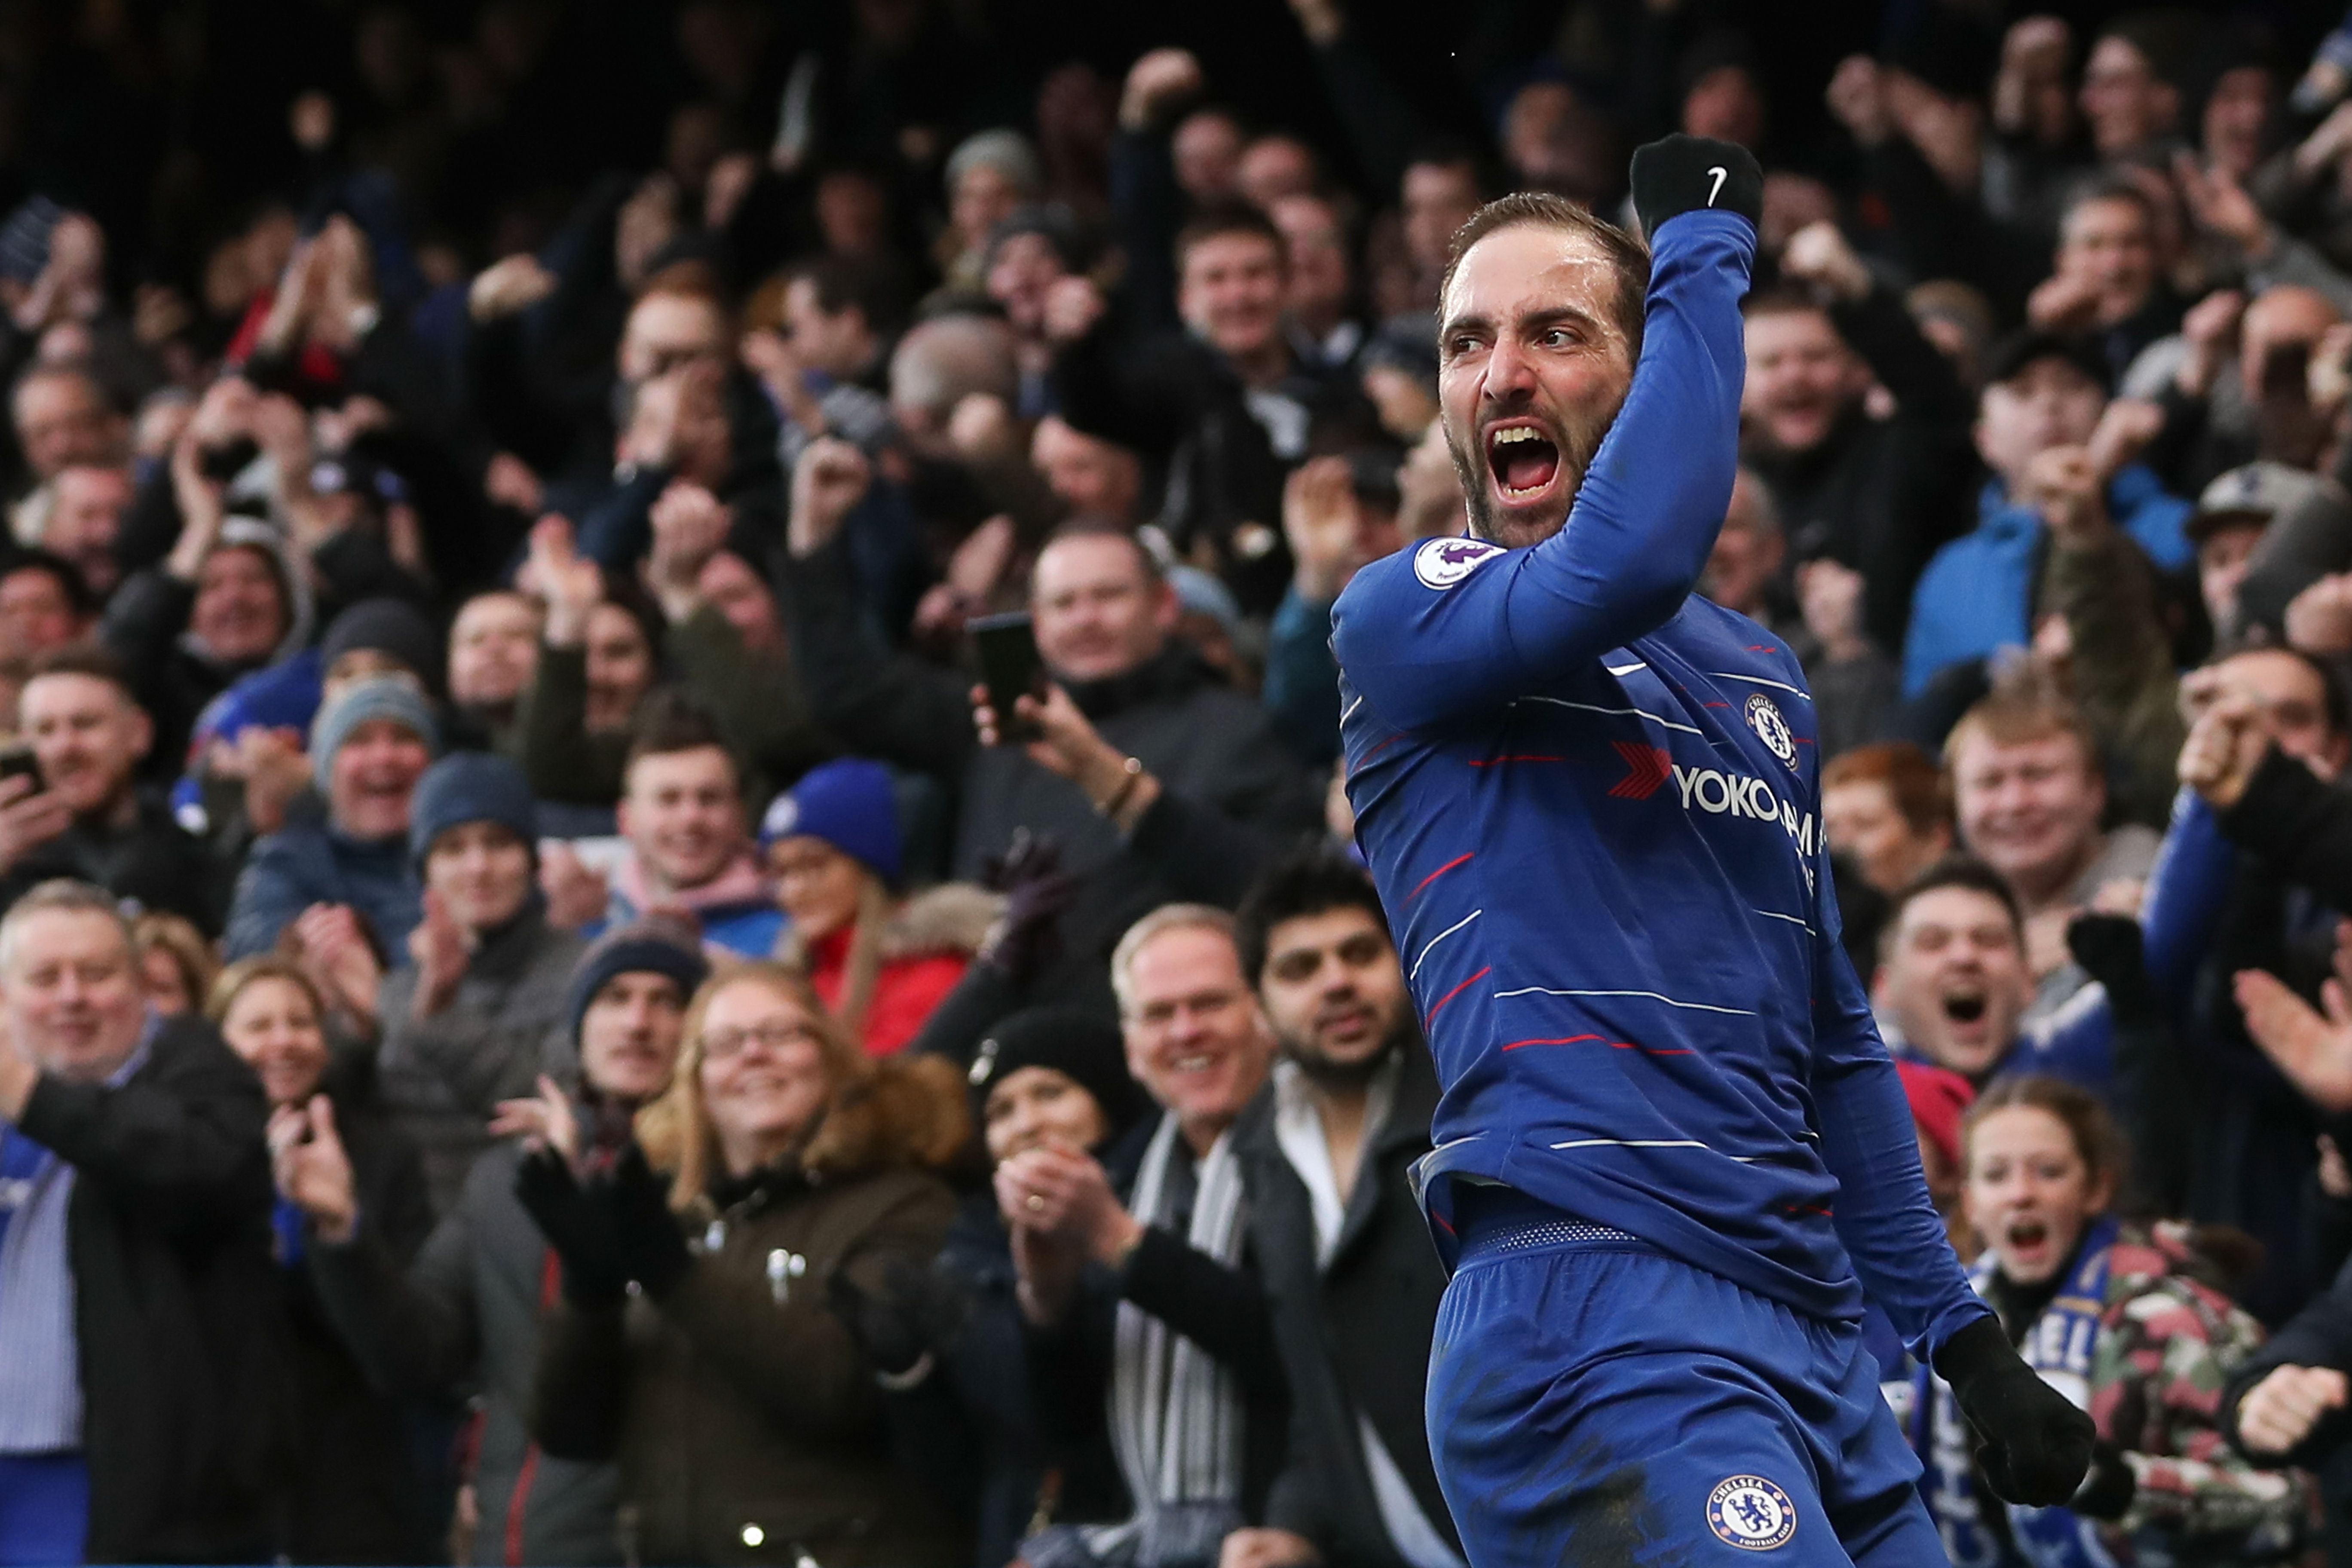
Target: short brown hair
668, 721
87, 657
1230, 217
2028, 704
1780, 300
1627, 256
1910, 777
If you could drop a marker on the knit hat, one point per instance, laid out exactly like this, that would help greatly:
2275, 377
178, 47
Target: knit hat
377, 697
850, 804
653, 944
1203, 593
1939, 1102
1007, 152
283, 695
387, 626
471, 787
2011, 356
238, 533
1083, 1046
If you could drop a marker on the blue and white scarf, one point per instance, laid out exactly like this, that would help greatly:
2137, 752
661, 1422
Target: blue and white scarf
2059, 1346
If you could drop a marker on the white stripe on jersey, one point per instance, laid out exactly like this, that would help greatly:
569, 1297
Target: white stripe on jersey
1441, 936
1649, 1143
1652, 995
1759, 681
1636, 712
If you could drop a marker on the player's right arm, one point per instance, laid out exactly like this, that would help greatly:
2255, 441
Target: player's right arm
1425, 637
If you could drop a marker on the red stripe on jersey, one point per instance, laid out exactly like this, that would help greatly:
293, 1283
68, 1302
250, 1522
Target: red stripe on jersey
1563, 1040
1426, 882
1458, 991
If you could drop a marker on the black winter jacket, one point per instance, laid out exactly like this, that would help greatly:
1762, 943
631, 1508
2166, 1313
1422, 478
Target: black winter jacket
1223, 1310
1233, 795
1881, 495
177, 1304
1355, 1331
352, 1491
468, 1312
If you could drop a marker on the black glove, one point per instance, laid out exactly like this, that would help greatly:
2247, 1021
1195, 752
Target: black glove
2034, 1446
2110, 949
916, 1310
1681, 173
576, 1226
1028, 934
2109, 1488
651, 1246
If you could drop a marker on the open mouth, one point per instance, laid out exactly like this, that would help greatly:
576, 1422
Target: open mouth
2028, 1236
1522, 460
1965, 1006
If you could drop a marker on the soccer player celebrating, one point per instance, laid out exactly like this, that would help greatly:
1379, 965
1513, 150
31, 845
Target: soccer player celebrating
1670, 1136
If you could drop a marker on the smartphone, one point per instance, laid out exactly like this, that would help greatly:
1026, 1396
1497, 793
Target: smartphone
17, 760
1009, 667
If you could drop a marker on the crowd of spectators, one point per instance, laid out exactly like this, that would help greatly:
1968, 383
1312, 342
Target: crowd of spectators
549, 1012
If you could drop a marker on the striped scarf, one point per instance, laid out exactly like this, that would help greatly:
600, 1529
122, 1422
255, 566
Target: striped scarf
1175, 1413
2059, 1346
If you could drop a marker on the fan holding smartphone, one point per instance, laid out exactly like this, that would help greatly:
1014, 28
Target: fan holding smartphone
1015, 704
1101, 623
31, 814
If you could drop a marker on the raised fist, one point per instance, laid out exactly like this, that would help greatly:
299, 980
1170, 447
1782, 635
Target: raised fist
1156, 84
1681, 173
827, 482
1072, 306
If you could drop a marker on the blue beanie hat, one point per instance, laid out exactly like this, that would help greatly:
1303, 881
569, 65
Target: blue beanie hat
654, 944
377, 697
285, 696
850, 804
471, 787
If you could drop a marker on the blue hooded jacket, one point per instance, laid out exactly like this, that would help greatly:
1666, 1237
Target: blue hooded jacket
1977, 593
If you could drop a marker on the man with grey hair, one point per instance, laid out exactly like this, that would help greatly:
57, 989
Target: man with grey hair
1173, 1309
940, 362
137, 1300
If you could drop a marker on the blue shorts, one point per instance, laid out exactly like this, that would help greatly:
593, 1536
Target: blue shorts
1592, 1401
44, 1509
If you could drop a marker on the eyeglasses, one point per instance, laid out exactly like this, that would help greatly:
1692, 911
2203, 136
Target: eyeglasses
718, 1044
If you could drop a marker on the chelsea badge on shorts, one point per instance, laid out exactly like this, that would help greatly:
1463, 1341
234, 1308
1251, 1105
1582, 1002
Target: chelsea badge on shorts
1764, 718
1751, 1514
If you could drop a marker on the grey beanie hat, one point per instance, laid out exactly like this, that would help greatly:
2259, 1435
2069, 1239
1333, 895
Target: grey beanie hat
378, 697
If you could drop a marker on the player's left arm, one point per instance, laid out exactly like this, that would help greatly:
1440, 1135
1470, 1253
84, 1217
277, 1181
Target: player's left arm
1453, 625
1883, 1215
2034, 1447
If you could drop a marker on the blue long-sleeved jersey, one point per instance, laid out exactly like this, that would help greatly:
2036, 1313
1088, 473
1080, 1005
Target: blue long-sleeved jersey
1590, 801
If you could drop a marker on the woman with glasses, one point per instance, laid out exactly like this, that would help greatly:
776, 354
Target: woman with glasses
696, 1342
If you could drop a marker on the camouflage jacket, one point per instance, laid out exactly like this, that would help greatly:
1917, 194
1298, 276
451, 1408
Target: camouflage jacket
2168, 1341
